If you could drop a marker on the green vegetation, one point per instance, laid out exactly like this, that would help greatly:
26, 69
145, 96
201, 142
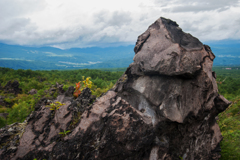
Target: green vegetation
64, 133
20, 106
55, 106
81, 85
229, 120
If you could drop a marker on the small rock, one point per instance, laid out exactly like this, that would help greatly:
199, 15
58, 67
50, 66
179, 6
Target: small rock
32, 91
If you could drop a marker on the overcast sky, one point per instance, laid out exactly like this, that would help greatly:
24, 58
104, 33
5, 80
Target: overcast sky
102, 23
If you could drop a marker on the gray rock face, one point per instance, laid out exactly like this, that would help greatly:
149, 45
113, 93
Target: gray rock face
162, 108
166, 50
32, 91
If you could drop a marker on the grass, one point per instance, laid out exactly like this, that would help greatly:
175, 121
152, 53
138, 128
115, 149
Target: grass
229, 123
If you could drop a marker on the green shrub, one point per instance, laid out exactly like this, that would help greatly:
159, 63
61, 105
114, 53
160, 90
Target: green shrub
2, 122
229, 123
8, 100
55, 106
22, 104
3, 109
98, 91
19, 112
65, 87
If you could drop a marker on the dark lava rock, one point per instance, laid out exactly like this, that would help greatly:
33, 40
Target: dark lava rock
4, 115
41, 79
32, 91
10, 135
60, 88
41, 102
12, 87
2, 102
70, 91
162, 108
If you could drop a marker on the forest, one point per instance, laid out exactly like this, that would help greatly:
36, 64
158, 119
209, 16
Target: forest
228, 79
17, 104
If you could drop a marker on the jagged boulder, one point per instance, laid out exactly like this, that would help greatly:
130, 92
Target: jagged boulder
42, 127
2, 102
59, 87
12, 87
69, 91
162, 108
32, 91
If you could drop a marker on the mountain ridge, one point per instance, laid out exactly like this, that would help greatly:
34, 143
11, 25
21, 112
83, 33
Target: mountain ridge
227, 53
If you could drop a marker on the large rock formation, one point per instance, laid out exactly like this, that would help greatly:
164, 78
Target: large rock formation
12, 87
162, 108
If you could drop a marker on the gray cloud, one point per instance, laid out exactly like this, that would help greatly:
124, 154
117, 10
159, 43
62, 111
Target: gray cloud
15, 8
16, 30
197, 6
116, 18
65, 25
15, 25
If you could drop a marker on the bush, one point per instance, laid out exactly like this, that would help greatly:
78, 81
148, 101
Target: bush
229, 123
19, 112
19, 106
2, 122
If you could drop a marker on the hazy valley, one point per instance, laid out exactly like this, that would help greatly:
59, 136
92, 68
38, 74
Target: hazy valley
49, 58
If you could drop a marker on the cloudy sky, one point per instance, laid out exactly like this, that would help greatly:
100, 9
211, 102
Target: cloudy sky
103, 23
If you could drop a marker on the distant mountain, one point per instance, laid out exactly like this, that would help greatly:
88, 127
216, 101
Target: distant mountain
48, 58
227, 52
42, 58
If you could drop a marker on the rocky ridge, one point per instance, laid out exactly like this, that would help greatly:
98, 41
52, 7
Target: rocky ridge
163, 107
12, 87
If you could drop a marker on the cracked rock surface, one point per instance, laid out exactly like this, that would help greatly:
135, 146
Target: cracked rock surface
162, 108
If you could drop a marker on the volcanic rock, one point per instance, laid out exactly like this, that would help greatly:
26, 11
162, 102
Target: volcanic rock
12, 87
2, 102
4, 115
32, 91
162, 108
69, 91
59, 87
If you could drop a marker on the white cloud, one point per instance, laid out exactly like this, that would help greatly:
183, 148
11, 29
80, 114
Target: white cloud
196, 5
80, 64
16, 59
50, 54
230, 56
74, 23
61, 65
